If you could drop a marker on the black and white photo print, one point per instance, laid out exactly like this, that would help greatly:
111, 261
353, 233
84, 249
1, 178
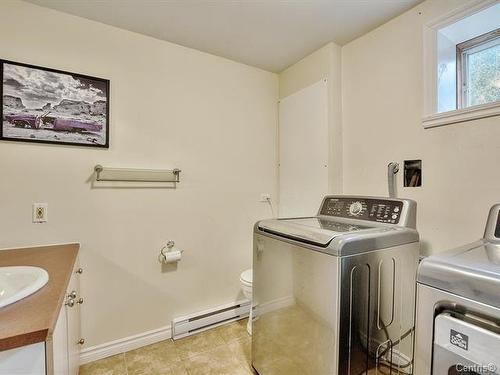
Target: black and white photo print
53, 106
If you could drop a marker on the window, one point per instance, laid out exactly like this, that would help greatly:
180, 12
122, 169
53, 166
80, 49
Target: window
462, 64
478, 70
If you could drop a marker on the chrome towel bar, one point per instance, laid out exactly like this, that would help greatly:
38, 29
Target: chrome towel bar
136, 175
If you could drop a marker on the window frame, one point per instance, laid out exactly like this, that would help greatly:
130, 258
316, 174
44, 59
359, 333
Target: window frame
430, 116
465, 49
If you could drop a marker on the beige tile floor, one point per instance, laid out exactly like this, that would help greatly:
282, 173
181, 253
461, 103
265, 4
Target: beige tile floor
224, 350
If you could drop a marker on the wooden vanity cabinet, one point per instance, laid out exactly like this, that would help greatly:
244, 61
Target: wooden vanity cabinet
60, 354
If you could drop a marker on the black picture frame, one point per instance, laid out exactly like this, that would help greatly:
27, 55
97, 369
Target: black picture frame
63, 126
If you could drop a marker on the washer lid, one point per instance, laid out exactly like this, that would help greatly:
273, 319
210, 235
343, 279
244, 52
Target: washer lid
471, 271
314, 230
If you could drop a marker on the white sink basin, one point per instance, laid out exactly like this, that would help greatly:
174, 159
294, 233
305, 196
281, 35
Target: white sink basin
17, 282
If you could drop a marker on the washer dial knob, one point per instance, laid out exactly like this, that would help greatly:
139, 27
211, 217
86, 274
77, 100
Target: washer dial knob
355, 208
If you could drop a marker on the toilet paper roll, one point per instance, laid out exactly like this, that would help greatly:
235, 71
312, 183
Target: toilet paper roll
172, 256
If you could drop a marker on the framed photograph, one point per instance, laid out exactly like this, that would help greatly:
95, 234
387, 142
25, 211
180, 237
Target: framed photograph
52, 106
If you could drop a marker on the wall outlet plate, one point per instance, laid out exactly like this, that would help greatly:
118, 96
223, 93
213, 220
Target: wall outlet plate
40, 212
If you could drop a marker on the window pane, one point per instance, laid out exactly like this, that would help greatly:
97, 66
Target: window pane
484, 76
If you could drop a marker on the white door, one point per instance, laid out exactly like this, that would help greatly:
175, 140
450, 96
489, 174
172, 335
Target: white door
303, 150
60, 344
73, 322
65, 340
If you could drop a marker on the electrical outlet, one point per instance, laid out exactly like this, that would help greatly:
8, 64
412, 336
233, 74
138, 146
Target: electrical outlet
265, 197
40, 212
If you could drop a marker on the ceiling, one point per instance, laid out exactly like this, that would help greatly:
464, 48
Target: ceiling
269, 34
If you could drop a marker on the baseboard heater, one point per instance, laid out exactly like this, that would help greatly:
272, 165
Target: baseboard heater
203, 320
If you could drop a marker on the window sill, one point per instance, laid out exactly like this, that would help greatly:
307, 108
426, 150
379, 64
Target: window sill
462, 115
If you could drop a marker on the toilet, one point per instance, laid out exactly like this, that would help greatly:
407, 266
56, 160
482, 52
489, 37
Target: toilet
246, 287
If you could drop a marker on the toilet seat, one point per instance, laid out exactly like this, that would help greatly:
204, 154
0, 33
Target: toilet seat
246, 277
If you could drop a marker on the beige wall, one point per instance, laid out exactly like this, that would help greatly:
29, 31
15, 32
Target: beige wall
170, 107
216, 120
382, 107
307, 71
323, 63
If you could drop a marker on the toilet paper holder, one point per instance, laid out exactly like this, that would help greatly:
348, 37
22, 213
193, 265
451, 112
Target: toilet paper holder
168, 255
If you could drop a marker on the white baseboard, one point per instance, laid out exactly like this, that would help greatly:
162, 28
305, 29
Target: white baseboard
94, 353
97, 352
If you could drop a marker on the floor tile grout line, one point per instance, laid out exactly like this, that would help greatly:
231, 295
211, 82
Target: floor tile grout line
206, 351
125, 363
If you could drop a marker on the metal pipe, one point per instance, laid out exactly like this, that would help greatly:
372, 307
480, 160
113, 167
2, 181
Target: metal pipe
392, 169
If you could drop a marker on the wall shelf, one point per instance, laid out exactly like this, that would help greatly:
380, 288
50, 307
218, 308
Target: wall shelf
136, 175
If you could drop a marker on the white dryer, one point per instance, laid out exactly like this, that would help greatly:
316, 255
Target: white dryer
335, 293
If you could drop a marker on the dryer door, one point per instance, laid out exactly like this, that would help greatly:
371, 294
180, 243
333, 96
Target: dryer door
461, 347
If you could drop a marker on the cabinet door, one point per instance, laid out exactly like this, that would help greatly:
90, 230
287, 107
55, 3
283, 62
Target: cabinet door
73, 323
26, 360
59, 345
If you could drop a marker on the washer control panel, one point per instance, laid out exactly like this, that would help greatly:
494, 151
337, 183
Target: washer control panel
379, 210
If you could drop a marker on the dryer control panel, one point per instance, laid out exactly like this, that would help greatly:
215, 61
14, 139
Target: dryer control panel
379, 210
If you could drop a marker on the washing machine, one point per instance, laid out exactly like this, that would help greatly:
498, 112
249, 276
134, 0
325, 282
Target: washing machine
458, 308
335, 293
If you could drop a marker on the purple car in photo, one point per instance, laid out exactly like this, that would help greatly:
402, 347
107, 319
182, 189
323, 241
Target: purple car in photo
24, 120
52, 123
61, 124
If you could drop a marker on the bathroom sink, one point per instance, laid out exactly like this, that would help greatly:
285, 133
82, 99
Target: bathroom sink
18, 282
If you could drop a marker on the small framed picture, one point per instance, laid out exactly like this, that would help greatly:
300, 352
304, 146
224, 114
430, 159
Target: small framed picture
52, 106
